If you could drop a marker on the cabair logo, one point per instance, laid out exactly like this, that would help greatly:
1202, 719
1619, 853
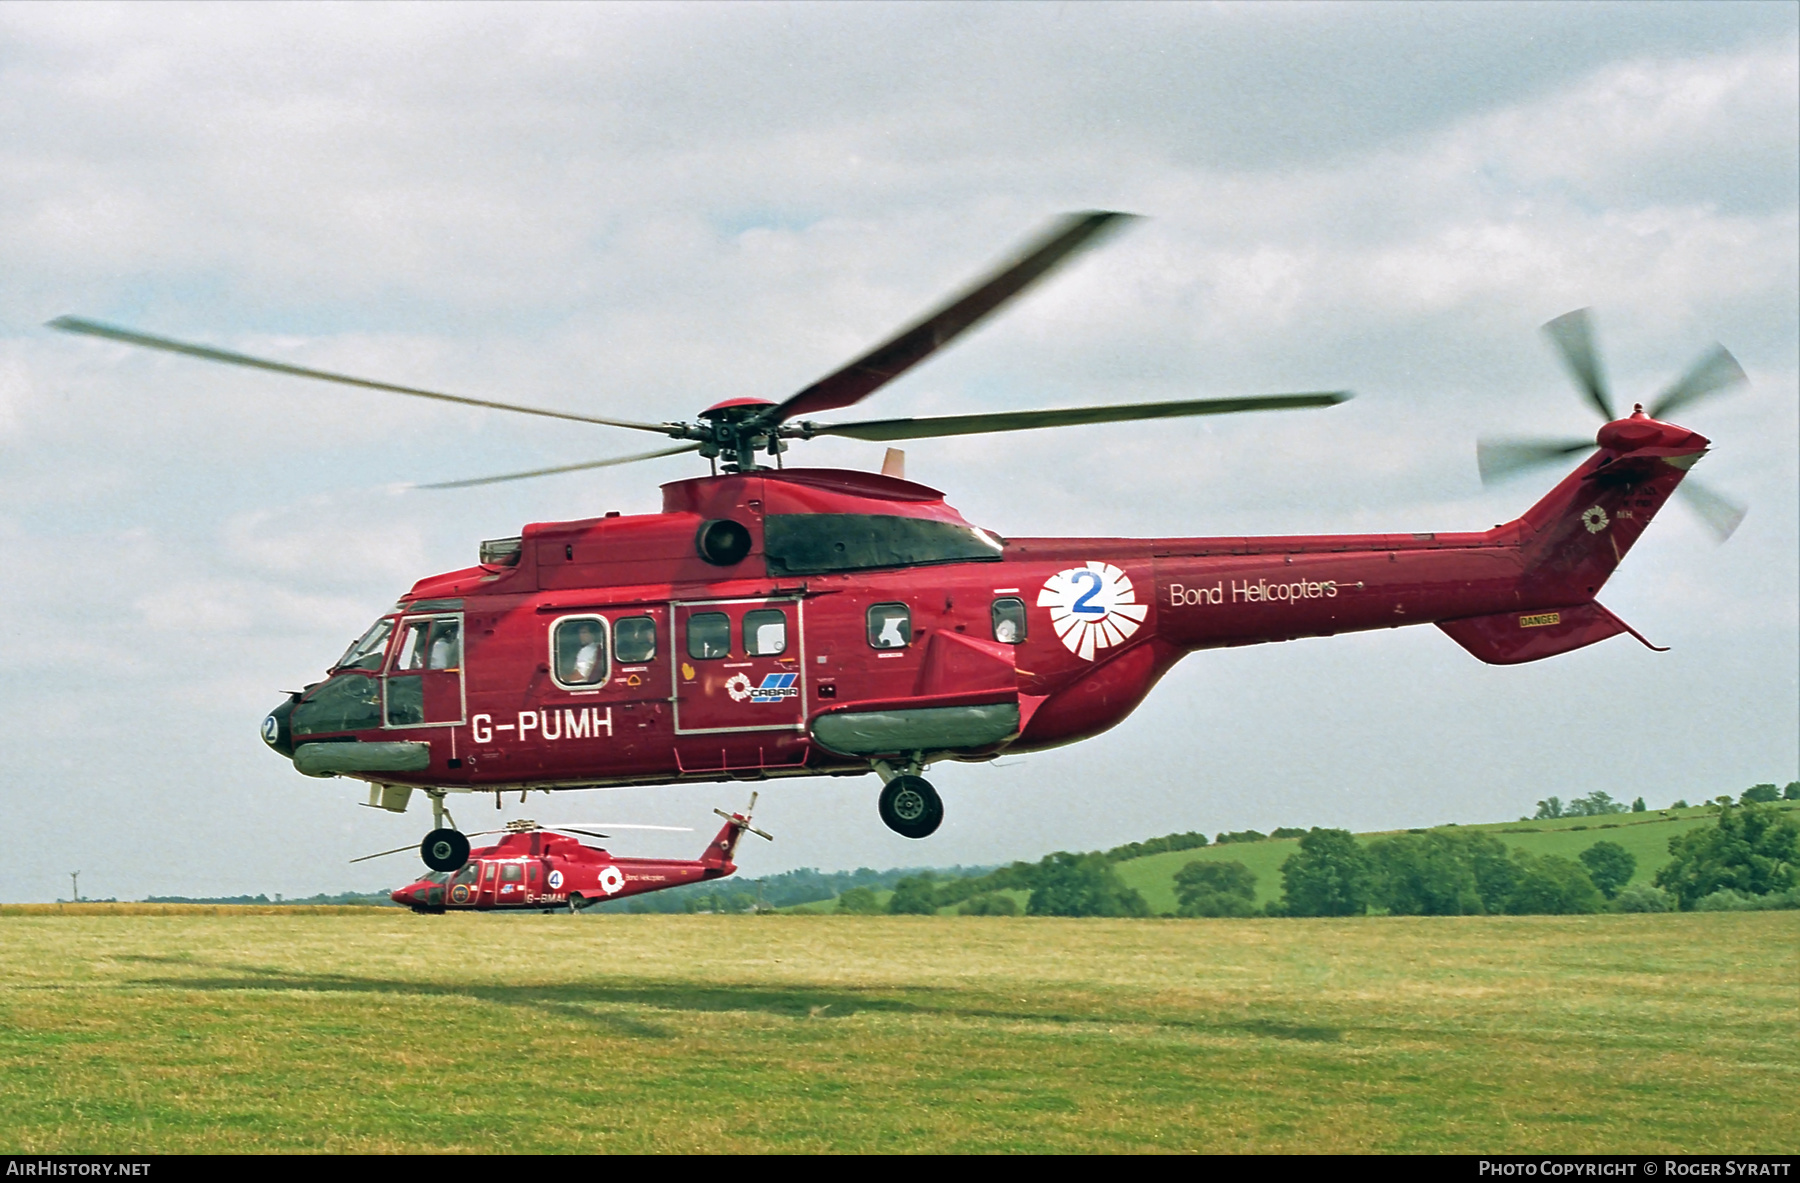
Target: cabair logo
774, 688
1092, 607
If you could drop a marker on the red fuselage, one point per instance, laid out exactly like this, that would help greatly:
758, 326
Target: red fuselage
855, 618
541, 871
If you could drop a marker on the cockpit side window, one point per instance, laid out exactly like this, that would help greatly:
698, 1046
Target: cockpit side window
409, 654
366, 653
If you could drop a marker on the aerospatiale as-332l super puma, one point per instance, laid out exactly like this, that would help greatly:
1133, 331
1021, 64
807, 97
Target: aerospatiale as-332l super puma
778, 622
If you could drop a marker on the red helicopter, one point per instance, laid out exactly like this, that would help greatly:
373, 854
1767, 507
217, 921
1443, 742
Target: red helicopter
544, 868
782, 622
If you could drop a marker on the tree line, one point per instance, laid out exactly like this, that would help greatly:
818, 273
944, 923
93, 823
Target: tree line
1749, 858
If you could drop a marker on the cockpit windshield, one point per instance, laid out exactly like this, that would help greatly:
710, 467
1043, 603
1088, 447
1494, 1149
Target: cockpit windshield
366, 653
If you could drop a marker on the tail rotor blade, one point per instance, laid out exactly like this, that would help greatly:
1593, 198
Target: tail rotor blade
1721, 514
1501, 458
1717, 371
1573, 333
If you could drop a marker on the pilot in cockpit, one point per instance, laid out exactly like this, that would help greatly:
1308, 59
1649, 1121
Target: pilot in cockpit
444, 654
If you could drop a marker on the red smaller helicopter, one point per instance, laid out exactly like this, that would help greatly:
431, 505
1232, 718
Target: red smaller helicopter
545, 868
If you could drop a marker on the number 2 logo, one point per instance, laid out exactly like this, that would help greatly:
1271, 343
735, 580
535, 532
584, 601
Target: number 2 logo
1092, 607
1085, 606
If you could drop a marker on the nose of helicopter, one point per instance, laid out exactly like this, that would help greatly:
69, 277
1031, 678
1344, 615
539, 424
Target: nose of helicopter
277, 731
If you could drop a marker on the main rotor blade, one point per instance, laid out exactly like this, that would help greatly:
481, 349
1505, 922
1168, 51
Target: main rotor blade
1712, 373
1721, 514
90, 328
383, 854
618, 826
1498, 458
1573, 333
913, 345
519, 476
912, 429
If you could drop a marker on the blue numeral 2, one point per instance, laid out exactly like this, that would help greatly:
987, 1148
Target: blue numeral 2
1081, 605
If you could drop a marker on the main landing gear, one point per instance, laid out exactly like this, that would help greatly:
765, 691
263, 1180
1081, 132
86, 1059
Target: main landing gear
909, 805
445, 848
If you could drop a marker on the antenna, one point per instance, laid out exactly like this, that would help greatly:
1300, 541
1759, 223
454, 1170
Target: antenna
75, 886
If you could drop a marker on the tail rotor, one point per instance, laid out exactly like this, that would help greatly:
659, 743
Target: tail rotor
1572, 333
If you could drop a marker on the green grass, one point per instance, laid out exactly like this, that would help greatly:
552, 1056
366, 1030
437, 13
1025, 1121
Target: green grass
1645, 835
145, 1030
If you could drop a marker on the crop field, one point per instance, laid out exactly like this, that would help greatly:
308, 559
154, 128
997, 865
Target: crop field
229, 1029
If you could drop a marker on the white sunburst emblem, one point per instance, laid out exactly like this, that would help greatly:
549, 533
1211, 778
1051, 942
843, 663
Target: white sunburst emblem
1092, 607
1594, 518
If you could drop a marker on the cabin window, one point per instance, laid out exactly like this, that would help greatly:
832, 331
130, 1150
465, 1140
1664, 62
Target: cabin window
709, 635
890, 626
634, 639
467, 874
512, 873
366, 653
347, 702
812, 543
578, 650
1009, 619
765, 632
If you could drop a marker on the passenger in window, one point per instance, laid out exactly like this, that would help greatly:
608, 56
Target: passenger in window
1009, 620
889, 626
709, 635
634, 639
590, 654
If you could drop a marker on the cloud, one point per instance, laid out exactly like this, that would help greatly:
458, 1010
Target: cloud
642, 210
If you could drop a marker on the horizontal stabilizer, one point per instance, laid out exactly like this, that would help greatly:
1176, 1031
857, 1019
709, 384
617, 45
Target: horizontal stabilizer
1510, 638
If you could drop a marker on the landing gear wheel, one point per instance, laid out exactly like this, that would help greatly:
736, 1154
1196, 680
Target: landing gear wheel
444, 850
911, 807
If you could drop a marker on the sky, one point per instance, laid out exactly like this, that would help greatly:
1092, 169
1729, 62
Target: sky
639, 210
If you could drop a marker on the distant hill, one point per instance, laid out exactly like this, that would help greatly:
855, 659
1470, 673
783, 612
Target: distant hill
1645, 835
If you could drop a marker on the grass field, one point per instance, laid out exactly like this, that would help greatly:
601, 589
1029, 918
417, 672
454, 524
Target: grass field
146, 1029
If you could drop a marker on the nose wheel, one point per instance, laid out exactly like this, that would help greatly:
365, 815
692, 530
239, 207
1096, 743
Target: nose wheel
911, 807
